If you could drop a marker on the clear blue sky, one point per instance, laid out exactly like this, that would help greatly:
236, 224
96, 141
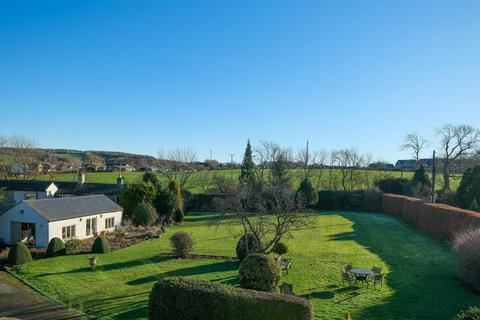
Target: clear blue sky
140, 76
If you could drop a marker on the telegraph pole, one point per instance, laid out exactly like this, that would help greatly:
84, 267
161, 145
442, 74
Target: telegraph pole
231, 165
433, 177
211, 151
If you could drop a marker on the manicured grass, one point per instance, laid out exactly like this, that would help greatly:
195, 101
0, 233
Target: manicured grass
111, 177
419, 270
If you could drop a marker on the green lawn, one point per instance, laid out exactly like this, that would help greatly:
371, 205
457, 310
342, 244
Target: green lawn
419, 284
111, 177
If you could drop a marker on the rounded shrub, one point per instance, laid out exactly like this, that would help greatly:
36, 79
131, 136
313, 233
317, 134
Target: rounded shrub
259, 272
100, 245
280, 248
472, 313
253, 246
182, 242
73, 244
193, 299
466, 248
144, 214
178, 216
19, 254
56, 248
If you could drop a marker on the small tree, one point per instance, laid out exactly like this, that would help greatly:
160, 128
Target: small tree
144, 214
136, 193
280, 249
100, 245
182, 242
306, 193
420, 184
468, 192
151, 177
166, 204
175, 188
247, 173
56, 247
244, 247
259, 272
19, 254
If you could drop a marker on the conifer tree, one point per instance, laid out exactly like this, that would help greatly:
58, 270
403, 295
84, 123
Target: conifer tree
248, 167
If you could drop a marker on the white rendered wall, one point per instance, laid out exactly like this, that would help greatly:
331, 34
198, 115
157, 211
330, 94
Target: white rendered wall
29, 215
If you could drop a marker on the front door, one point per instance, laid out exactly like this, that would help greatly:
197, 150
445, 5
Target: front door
94, 226
15, 232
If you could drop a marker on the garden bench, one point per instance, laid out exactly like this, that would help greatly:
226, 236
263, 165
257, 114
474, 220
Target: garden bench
285, 264
286, 288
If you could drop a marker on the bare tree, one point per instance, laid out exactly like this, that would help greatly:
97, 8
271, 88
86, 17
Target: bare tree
415, 144
349, 162
321, 158
270, 215
178, 165
456, 142
20, 160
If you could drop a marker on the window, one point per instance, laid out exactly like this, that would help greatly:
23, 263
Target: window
91, 226
68, 232
109, 223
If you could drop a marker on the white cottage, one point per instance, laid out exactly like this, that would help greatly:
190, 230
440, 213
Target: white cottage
38, 221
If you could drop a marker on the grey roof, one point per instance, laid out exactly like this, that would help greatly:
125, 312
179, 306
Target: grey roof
63, 187
56, 209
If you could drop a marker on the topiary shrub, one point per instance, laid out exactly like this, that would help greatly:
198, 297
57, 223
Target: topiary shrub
178, 216
144, 214
280, 248
466, 249
472, 313
193, 299
253, 246
259, 272
56, 248
182, 243
100, 245
19, 254
175, 188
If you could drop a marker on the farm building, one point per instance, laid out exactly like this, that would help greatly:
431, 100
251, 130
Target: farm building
36, 222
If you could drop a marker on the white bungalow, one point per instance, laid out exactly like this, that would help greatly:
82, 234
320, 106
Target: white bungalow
38, 221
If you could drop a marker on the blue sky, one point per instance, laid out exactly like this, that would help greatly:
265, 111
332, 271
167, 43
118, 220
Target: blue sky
141, 76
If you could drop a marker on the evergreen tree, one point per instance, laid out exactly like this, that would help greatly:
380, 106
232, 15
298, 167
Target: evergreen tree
280, 167
248, 167
306, 193
421, 177
468, 193
175, 188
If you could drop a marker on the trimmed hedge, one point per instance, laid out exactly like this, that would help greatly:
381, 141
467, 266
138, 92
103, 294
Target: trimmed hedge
192, 299
100, 245
202, 202
357, 200
56, 248
19, 254
439, 220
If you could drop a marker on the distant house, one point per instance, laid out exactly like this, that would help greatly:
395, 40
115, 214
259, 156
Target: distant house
381, 166
122, 168
36, 222
19, 190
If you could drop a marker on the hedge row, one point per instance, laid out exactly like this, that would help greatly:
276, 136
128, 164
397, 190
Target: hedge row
358, 200
439, 220
190, 299
201, 202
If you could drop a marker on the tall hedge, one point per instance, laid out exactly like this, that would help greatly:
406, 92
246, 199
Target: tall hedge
56, 247
191, 299
19, 254
100, 245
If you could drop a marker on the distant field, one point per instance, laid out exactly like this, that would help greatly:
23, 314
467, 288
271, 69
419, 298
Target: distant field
111, 177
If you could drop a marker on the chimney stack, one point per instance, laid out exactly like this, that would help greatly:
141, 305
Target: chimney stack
120, 181
81, 178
